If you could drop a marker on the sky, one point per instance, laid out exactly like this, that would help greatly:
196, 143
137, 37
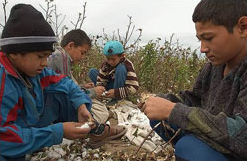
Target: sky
156, 18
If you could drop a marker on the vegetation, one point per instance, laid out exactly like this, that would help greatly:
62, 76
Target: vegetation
161, 68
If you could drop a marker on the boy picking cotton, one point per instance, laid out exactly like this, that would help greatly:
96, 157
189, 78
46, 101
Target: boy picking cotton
38, 108
213, 115
117, 73
73, 48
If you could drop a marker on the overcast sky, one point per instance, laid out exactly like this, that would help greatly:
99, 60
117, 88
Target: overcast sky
157, 18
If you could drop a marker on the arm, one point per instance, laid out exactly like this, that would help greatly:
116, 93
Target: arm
16, 137
225, 130
102, 78
95, 92
50, 82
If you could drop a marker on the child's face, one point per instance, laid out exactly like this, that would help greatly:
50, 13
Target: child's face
220, 46
78, 53
113, 60
31, 63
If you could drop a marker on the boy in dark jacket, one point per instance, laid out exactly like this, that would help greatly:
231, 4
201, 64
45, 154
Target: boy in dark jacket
38, 108
213, 115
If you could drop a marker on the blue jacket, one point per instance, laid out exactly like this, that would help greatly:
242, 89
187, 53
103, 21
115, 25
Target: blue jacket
20, 111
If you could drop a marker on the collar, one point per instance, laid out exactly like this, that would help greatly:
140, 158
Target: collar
65, 52
5, 62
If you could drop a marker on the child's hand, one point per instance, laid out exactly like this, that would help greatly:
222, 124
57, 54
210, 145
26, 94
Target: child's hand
110, 93
72, 132
99, 90
89, 85
83, 114
157, 108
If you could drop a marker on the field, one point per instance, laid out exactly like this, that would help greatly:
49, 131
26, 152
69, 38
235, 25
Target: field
118, 150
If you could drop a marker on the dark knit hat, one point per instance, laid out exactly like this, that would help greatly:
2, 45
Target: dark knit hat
26, 31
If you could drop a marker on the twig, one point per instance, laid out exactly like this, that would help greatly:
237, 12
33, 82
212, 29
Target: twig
128, 33
84, 14
80, 18
177, 132
48, 10
147, 136
4, 12
165, 125
137, 39
166, 143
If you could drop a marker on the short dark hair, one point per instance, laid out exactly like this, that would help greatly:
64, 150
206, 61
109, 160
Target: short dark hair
220, 12
79, 37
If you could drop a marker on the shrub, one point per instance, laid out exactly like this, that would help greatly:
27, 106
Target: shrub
160, 68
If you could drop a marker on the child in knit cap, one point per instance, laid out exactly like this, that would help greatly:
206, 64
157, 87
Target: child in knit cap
38, 108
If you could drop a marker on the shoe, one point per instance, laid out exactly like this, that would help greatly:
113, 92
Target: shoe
108, 134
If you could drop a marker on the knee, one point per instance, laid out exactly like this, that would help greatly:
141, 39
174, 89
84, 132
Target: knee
191, 148
121, 69
153, 123
2, 158
183, 146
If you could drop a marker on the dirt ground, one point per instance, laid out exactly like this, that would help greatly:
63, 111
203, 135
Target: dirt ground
123, 144
123, 149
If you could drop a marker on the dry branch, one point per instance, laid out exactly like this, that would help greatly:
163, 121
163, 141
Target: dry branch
147, 137
80, 19
4, 12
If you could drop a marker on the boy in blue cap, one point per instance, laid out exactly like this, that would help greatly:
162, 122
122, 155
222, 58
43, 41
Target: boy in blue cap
38, 108
213, 115
117, 73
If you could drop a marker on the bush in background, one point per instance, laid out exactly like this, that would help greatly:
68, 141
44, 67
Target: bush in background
160, 68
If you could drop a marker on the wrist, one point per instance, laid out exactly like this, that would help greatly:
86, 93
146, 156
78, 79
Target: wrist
170, 108
81, 107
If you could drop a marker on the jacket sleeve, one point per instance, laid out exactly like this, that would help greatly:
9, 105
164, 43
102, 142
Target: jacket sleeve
102, 78
225, 133
15, 140
130, 87
52, 82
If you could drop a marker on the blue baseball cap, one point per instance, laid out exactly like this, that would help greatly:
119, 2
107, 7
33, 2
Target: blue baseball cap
113, 48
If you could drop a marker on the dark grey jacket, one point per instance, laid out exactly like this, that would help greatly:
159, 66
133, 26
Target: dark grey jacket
216, 109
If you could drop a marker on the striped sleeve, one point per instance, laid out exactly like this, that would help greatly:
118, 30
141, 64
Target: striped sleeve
102, 78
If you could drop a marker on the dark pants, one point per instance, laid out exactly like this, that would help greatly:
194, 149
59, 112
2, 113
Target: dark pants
12, 159
58, 108
189, 147
120, 77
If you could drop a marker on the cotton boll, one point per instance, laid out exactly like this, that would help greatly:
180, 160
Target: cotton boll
85, 125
